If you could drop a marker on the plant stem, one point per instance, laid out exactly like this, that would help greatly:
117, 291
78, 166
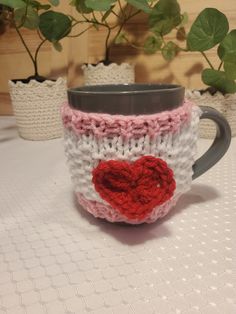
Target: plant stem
119, 30
72, 18
78, 22
133, 45
85, 17
120, 27
84, 31
123, 23
206, 58
121, 9
36, 56
38, 32
26, 47
90, 22
25, 15
132, 15
95, 19
107, 53
115, 13
220, 66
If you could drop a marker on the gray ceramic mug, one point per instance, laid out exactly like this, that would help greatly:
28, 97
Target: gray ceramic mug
113, 131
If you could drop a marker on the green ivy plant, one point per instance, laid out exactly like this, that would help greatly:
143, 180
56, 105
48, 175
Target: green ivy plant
209, 30
33, 15
99, 14
164, 17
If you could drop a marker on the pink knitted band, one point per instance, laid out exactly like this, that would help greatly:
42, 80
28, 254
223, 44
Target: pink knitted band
100, 210
106, 125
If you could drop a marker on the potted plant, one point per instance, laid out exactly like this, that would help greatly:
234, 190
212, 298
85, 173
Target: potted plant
36, 100
111, 15
210, 30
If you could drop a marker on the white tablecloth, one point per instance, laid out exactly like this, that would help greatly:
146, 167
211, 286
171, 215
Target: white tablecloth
56, 258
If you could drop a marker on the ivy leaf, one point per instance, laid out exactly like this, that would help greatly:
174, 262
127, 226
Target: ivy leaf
107, 13
55, 3
81, 7
54, 25
169, 8
209, 29
37, 5
227, 53
152, 44
140, 5
57, 46
165, 16
184, 18
169, 51
219, 80
227, 48
163, 27
230, 69
14, 4
101, 5
95, 24
26, 18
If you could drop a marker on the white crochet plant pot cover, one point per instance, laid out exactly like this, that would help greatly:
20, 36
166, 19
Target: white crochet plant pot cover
113, 73
225, 104
37, 108
131, 169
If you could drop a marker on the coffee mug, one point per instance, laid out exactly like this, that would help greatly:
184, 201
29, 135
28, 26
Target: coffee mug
131, 149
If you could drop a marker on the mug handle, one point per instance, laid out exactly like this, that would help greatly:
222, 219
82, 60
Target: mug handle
220, 144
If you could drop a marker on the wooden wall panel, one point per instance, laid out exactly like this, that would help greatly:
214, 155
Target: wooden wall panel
185, 70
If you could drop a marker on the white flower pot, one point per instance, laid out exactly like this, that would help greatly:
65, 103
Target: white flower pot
37, 108
113, 73
225, 104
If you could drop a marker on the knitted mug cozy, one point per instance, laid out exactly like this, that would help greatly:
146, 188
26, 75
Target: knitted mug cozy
131, 169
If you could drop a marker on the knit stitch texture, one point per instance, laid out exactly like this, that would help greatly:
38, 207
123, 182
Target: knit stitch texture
96, 142
113, 73
134, 189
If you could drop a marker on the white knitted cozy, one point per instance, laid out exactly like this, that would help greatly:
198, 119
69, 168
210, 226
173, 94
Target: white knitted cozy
37, 108
94, 141
225, 104
113, 73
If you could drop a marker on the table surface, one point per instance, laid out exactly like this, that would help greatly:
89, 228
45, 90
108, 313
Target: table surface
55, 258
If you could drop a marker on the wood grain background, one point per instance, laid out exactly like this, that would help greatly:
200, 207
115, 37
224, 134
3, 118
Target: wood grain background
185, 69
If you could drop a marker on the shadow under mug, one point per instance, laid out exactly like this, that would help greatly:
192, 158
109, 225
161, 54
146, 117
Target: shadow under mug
98, 120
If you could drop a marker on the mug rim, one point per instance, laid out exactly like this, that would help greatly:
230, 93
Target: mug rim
126, 99
103, 89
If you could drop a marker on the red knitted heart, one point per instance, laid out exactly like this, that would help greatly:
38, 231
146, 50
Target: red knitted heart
134, 189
